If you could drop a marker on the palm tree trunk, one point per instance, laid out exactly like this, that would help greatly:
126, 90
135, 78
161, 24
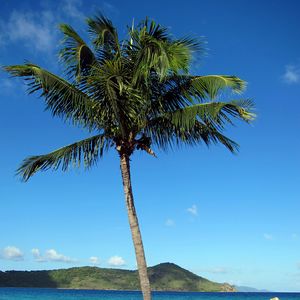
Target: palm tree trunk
134, 226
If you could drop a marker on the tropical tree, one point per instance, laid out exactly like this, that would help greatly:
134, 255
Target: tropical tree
132, 94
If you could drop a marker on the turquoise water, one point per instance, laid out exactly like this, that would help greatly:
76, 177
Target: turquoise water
54, 294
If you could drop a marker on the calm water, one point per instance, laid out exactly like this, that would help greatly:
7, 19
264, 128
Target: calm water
54, 294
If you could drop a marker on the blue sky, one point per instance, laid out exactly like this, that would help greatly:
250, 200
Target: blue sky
230, 218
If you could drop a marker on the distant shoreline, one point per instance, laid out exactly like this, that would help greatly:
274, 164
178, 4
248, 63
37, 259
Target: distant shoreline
139, 291
163, 277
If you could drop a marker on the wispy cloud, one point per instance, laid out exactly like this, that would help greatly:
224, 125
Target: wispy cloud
94, 260
72, 8
193, 210
116, 261
170, 223
52, 256
11, 253
37, 255
109, 9
35, 30
268, 236
292, 74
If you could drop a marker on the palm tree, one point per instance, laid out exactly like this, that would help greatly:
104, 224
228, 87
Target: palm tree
134, 94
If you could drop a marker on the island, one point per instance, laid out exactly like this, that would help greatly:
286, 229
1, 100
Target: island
163, 277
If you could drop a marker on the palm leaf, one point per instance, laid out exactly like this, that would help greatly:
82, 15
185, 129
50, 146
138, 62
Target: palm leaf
211, 85
103, 32
179, 91
152, 48
207, 133
201, 87
217, 113
75, 53
162, 56
152, 29
111, 87
165, 134
87, 151
62, 98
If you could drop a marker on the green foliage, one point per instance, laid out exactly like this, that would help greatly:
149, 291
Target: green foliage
62, 98
87, 150
134, 93
167, 276
75, 53
103, 33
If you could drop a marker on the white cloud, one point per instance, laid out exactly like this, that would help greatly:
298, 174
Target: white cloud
170, 223
116, 261
268, 236
38, 29
37, 255
72, 8
35, 30
109, 9
94, 260
193, 210
51, 255
292, 74
35, 252
11, 253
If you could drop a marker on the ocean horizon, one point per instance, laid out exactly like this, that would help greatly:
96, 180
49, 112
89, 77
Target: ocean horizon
78, 294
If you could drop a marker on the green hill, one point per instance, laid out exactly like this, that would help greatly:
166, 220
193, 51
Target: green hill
163, 277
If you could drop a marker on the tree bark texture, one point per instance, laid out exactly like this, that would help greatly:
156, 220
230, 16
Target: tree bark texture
134, 226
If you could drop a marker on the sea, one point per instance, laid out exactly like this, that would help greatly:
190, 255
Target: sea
61, 294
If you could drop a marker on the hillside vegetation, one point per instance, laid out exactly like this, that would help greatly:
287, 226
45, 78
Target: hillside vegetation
163, 277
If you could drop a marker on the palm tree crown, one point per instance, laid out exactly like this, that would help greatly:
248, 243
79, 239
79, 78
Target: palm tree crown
134, 93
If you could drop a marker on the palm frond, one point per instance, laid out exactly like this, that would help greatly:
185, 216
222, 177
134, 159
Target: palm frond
210, 85
87, 151
151, 48
207, 133
161, 56
165, 134
150, 28
203, 87
203, 122
110, 85
62, 98
217, 113
103, 32
179, 91
75, 53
